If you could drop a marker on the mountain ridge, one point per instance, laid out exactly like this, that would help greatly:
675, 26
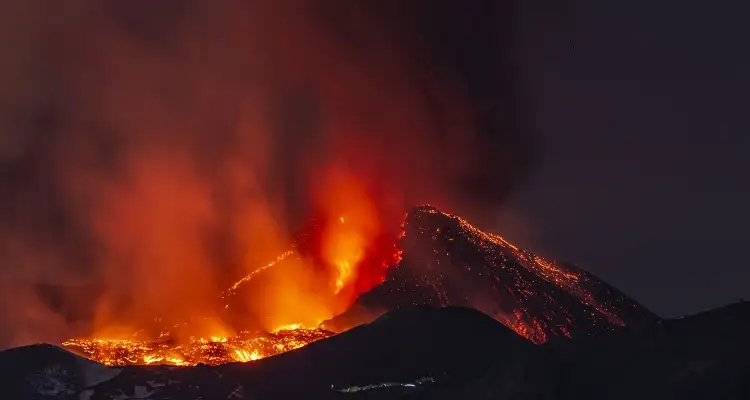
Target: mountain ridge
448, 353
448, 262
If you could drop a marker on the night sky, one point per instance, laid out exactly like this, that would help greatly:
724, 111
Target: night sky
639, 108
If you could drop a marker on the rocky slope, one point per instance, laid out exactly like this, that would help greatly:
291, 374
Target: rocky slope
448, 262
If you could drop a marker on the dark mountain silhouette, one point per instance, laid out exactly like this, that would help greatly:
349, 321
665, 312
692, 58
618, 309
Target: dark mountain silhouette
430, 353
442, 346
704, 356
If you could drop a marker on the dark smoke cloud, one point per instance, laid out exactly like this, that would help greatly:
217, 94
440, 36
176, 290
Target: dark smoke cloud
152, 150
478, 44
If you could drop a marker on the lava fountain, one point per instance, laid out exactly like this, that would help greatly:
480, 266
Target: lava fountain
341, 254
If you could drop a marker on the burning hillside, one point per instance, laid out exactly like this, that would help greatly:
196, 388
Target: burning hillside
440, 260
243, 347
448, 262
334, 249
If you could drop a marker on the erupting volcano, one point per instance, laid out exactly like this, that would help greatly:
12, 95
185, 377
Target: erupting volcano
448, 262
438, 259
178, 150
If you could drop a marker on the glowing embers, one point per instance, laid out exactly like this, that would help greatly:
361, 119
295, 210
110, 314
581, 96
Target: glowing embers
212, 351
449, 262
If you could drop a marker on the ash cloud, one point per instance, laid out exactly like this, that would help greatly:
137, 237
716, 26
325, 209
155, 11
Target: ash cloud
150, 152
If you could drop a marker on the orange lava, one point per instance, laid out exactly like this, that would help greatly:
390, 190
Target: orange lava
566, 278
317, 277
243, 347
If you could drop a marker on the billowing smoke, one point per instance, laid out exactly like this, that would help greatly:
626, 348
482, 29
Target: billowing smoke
152, 151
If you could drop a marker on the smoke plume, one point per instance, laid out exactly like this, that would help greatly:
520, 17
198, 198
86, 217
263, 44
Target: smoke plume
150, 152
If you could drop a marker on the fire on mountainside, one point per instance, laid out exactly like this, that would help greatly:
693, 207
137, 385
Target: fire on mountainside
361, 265
243, 347
341, 254
139, 349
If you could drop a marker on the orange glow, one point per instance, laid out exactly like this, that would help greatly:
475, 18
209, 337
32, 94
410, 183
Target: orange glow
344, 248
353, 227
309, 282
243, 347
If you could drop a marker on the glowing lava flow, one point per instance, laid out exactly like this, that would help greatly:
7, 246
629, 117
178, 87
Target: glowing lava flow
440, 260
233, 289
243, 347
342, 253
341, 245
449, 262
546, 269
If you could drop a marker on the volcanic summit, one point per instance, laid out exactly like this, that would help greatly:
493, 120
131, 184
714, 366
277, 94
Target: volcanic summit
448, 262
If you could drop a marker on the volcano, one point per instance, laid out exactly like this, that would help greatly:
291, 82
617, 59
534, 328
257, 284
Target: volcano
441, 260
448, 262
455, 314
437, 260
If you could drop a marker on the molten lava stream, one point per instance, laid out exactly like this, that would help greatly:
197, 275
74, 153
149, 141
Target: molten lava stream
341, 254
212, 351
356, 265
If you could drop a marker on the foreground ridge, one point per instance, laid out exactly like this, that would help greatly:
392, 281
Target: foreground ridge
443, 353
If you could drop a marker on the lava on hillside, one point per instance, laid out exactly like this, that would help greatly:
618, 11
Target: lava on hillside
438, 260
448, 262
243, 347
358, 263
359, 266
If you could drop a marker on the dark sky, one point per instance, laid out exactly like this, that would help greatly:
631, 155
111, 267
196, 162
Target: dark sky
640, 109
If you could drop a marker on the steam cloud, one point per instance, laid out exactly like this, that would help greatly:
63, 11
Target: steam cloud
155, 150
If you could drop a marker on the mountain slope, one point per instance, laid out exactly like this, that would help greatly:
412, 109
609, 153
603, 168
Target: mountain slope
448, 262
445, 347
466, 354
703, 356
440, 260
